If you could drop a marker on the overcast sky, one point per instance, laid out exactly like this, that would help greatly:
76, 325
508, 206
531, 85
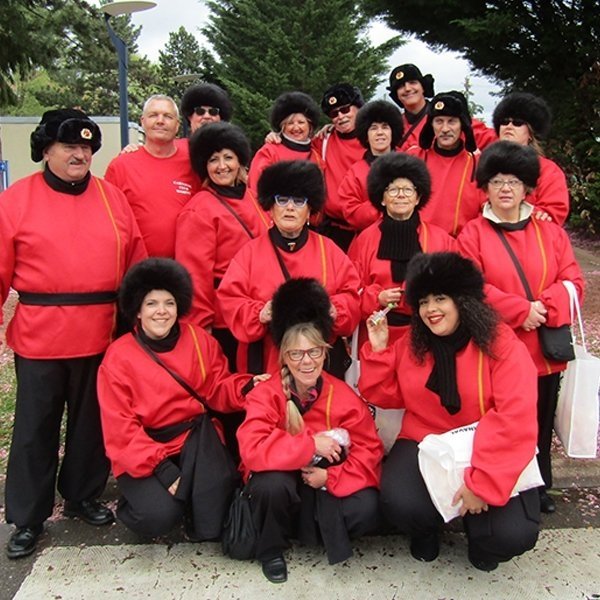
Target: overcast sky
448, 69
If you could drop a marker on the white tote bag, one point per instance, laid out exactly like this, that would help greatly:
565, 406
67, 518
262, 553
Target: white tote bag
577, 412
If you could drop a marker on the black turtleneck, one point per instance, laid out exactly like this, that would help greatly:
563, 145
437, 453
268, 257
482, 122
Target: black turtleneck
518, 226
413, 118
229, 191
347, 136
165, 344
289, 244
399, 243
451, 152
296, 146
313, 394
74, 188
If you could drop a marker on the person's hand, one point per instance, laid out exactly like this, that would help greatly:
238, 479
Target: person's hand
272, 138
260, 378
327, 447
315, 477
131, 148
471, 503
542, 215
173, 487
379, 333
265, 315
324, 131
390, 296
536, 317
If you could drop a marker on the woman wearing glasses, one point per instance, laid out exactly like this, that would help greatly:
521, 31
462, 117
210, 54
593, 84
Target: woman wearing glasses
505, 239
525, 119
308, 441
398, 185
290, 191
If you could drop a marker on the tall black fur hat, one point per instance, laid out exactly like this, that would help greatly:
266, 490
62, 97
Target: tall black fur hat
301, 300
392, 166
154, 274
409, 72
206, 94
214, 137
66, 125
449, 104
299, 178
378, 111
531, 109
341, 94
509, 158
294, 102
445, 273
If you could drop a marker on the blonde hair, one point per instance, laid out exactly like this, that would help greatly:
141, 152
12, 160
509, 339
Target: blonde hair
287, 119
534, 142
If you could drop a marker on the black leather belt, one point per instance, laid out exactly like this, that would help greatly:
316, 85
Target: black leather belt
67, 299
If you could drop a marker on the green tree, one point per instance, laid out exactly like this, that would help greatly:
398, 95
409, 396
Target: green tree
474, 108
550, 48
266, 47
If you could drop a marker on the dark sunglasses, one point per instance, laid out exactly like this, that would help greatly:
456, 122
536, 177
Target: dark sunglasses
213, 111
333, 113
515, 122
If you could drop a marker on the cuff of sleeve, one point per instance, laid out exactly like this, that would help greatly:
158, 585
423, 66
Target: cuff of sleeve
167, 472
248, 387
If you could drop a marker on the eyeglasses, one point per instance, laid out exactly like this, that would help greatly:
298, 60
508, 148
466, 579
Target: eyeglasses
285, 200
498, 183
298, 355
334, 112
515, 122
213, 111
394, 192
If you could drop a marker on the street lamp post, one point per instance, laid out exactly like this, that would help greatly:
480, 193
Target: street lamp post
114, 9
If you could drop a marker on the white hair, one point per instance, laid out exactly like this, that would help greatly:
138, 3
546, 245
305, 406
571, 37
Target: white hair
161, 97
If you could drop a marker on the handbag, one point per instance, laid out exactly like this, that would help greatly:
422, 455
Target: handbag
239, 533
576, 418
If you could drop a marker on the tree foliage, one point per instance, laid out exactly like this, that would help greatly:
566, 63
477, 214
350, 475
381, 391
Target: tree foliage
266, 47
546, 47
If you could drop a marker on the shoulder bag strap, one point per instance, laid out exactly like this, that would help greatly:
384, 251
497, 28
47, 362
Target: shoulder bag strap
284, 269
235, 215
516, 262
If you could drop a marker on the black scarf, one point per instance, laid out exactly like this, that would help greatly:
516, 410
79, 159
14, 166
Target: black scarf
165, 344
451, 152
347, 136
295, 145
289, 244
442, 380
399, 243
229, 191
74, 188
413, 118
313, 394
520, 225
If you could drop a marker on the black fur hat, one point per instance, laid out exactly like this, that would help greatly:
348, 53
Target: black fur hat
409, 72
531, 109
301, 300
214, 137
449, 104
294, 102
393, 165
341, 94
66, 125
379, 111
154, 274
445, 273
292, 178
509, 158
206, 94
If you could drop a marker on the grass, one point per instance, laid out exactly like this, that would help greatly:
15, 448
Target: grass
7, 410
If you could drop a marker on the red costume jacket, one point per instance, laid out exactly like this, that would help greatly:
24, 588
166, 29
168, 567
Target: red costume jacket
551, 193
156, 189
207, 238
265, 445
546, 255
498, 390
51, 242
455, 198
136, 394
358, 210
254, 274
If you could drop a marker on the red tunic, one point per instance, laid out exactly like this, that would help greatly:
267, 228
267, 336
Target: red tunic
207, 238
498, 390
546, 255
376, 274
136, 393
338, 154
551, 193
265, 445
157, 189
358, 210
51, 242
254, 274
455, 198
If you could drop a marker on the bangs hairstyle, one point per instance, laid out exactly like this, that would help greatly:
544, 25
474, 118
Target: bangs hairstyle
379, 111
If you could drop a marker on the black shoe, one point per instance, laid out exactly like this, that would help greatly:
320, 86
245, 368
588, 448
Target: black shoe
23, 541
275, 569
482, 564
90, 511
425, 548
547, 505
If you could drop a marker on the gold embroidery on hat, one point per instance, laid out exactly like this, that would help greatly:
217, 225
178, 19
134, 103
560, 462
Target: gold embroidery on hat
86, 134
332, 100
399, 74
439, 105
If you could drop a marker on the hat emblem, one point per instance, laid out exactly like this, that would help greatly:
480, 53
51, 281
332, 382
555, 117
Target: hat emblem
332, 100
439, 105
399, 74
86, 134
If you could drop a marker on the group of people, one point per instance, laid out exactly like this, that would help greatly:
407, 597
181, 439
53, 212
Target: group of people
193, 312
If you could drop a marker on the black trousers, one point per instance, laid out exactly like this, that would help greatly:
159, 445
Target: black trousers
546, 407
44, 387
498, 534
276, 506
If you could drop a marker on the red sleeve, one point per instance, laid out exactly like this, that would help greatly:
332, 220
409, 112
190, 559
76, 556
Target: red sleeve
551, 193
484, 135
345, 296
262, 159
354, 200
7, 247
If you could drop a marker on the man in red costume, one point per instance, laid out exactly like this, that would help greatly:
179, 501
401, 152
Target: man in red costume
66, 240
157, 179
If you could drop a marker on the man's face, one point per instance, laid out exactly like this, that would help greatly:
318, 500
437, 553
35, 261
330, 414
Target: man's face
203, 115
160, 121
344, 122
69, 162
447, 131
